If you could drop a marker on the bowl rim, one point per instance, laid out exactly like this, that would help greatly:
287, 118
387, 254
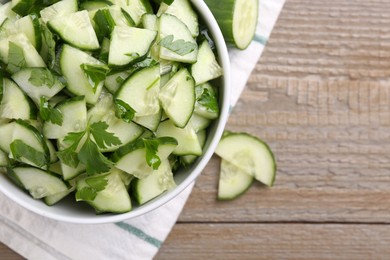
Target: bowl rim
223, 57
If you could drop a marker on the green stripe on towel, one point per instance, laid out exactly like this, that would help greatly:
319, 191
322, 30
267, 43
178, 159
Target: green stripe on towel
139, 233
260, 39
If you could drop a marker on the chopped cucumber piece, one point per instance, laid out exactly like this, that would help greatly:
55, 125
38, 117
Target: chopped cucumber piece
38, 82
177, 97
131, 158
37, 182
188, 143
76, 29
15, 103
121, 52
206, 67
206, 101
182, 9
176, 42
153, 185
74, 113
71, 62
233, 181
237, 20
140, 91
112, 198
249, 154
60, 9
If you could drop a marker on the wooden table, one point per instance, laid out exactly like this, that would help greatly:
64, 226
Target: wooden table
320, 97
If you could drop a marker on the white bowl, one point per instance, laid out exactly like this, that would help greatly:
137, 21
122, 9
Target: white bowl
70, 211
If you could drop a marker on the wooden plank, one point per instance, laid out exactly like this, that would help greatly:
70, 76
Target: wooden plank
8, 254
276, 241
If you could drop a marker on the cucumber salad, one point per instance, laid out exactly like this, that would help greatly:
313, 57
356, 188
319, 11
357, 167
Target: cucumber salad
103, 100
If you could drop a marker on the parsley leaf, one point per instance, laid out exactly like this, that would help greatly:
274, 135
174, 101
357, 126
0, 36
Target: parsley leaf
93, 159
208, 100
48, 113
94, 185
16, 59
89, 154
105, 23
69, 155
124, 111
96, 73
48, 39
86, 193
151, 147
180, 46
103, 138
42, 77
19, 150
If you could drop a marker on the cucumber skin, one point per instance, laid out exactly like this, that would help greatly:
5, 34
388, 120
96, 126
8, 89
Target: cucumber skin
223, 12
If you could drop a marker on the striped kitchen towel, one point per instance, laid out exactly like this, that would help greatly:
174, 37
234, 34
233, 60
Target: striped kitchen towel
36, 237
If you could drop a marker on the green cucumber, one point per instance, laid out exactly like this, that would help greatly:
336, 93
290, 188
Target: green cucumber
250, 154
131, 158
59, 9
122, 53
76, 29
37, 182
140, 91
113, 198
74, 112
206, 67
153, 185
237, 20
71, 60
38, 82
15, 103
177, 97
233, 181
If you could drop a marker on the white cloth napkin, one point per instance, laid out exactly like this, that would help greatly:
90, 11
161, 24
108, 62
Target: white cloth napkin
36, 237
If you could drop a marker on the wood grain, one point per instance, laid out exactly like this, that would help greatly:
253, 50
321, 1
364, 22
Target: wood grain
319, 96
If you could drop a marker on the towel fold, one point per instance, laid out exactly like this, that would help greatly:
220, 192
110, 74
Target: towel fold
37, 237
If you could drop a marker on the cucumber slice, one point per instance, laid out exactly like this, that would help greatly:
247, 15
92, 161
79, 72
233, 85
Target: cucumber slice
28, 25
233, 181
237, 20
206, 101
76, 29
30, 54
6, 132
38, 82
188, 143
199, 123
150, 122
154, 185
6, 12
74, 113
171, 27
177, 97
15, 104
122, 53
28, 145
149, 21
114, 81
131, 158
250, 154
183, 10
135, 8
59, 9
95, 5
37, 182
140, 91
113, 198
71, 60
188, 159
206, 67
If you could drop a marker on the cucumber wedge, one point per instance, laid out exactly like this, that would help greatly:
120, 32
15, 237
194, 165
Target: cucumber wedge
237, 20
233, 181
37, 182
250, 154
76, 29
